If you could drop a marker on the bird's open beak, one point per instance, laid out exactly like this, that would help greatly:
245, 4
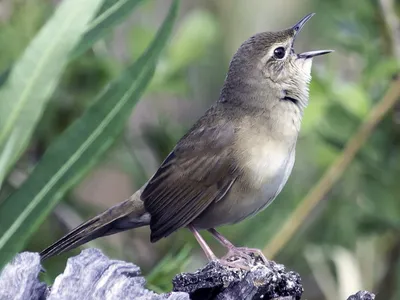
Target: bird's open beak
297, 28
310, 54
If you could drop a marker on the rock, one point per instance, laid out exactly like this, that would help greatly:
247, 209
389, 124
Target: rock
216, 281
362, 295
92, 275
19, 279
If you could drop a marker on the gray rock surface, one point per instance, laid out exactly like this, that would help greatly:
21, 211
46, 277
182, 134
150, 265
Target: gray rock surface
93, 276
90, 275
215, 281
18, 279
362, 295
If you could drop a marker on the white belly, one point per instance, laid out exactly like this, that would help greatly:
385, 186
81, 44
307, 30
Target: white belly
264, 163
272, 179
272, 187
243, 201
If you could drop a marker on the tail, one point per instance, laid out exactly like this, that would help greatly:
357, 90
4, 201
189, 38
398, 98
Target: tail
123, 216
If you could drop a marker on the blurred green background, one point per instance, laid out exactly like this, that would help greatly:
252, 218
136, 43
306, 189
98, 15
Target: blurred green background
349, 242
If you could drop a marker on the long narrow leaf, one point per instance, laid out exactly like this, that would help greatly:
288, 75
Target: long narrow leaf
4, 76
111, 13
34, 77
78, 149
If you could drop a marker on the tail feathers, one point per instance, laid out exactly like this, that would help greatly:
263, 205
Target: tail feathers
126, 215
86, 232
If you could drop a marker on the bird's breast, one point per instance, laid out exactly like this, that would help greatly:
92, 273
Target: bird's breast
265, 173
265, 161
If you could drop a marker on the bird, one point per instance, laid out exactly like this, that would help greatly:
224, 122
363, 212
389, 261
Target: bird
232, 163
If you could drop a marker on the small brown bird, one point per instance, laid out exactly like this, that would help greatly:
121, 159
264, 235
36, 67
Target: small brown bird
233, 162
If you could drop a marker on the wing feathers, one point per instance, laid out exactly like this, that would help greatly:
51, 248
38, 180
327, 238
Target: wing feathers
197, 173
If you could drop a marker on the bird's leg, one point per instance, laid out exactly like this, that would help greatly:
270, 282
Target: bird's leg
210, 254
237, 251
207, 250
232, 249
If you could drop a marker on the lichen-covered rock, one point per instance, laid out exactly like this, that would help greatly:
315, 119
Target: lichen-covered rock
90, 275
18, 279
216, 281
93, 276
362, 295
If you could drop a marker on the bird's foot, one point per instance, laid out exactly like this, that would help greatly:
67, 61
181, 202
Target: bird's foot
236, 253
245, 253
235, 262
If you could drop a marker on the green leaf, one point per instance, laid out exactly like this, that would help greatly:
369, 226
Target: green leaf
111, 13
194, 36
4, 76
354, 98
77, 150
159, 278
191, 41
35, 76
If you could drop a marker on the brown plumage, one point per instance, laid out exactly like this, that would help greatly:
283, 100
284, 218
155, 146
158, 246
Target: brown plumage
199, 171
235, 159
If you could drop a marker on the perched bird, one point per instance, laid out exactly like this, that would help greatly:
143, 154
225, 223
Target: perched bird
235, 159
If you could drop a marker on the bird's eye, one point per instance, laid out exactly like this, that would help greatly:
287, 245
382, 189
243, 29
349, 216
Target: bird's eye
279, 52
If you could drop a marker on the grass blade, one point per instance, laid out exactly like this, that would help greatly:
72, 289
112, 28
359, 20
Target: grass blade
4, 76
78, 149
34, 77
111, 13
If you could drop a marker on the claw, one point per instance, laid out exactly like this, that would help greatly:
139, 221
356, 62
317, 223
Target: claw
236, 264
236, 253
253, 251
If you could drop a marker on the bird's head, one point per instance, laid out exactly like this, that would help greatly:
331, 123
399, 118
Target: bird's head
267, 62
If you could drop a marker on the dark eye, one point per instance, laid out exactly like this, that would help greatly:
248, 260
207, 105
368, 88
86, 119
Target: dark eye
279, 52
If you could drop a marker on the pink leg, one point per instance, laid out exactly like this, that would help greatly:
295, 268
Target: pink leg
220, 238
207, 250
211, 256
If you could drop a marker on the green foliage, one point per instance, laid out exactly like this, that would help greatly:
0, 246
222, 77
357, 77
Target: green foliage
110, 14
159, 279
24, 22
4, 76
369, 185
195, 34
35, 76
76, 150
